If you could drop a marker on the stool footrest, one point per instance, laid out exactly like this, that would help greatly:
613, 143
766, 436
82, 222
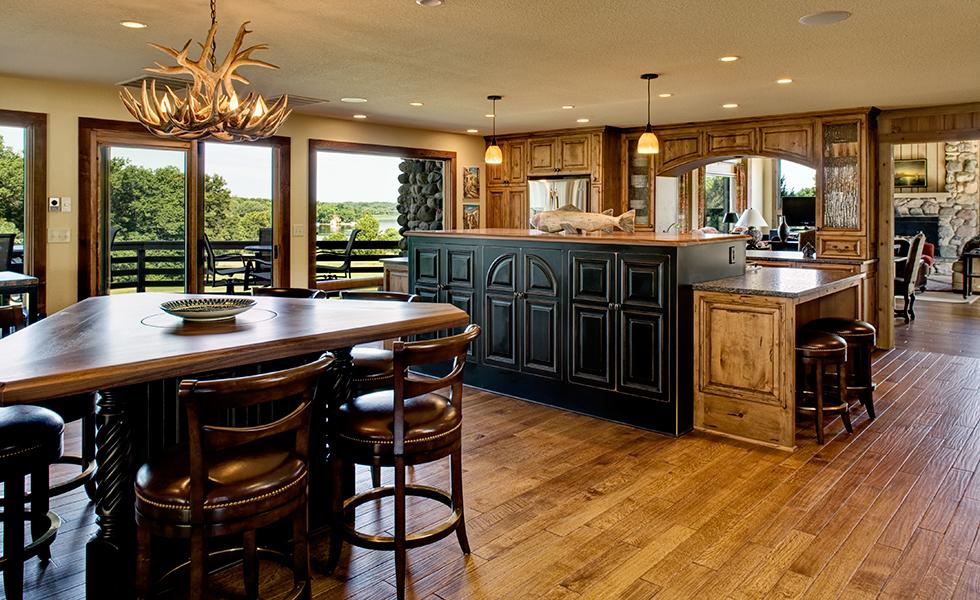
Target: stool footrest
33, 549
414, 540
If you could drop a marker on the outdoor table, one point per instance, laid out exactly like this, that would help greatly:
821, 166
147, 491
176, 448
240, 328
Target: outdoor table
18, 283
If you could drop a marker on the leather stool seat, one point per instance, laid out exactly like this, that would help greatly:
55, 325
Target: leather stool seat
371, 363
263, 477
817, 344
29, 436
861, 338
430, 419
846, 328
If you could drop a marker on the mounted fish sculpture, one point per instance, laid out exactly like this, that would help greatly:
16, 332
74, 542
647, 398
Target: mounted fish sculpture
571, 219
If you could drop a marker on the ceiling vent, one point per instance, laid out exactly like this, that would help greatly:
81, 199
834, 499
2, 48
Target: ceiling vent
299, 101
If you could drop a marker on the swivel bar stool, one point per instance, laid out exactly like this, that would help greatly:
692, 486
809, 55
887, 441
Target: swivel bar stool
860, 337
31, 438
815, 352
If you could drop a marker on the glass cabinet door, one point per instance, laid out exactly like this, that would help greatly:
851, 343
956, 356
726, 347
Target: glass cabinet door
841, 206
638, 182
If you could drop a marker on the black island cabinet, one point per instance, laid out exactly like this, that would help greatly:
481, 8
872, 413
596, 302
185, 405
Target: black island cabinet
598, 324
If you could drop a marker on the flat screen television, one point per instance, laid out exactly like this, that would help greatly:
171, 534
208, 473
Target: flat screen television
800, 210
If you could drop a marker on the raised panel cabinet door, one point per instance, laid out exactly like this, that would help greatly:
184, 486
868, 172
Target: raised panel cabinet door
789, 141
517, 205
729, 140
643, 281
592, 350
498, 208
541, 337
678, 149
592, 276
501, 266
461, 266
542, 156
500, 335
574, 154
516, 160
642, 356
542, 269
498, 174
427, 293
428, 265
464, 300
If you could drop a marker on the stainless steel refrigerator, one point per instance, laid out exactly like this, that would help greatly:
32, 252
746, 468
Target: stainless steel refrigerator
550, 194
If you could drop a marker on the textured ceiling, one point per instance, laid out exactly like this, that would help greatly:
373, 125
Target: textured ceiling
538, 54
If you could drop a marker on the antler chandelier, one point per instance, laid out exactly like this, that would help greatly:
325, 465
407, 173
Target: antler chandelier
209, 107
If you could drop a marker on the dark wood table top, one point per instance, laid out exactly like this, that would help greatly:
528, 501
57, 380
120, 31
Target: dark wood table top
13, 279
111, 341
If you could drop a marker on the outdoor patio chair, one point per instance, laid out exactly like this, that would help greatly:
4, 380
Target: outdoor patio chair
333, 272
213, 271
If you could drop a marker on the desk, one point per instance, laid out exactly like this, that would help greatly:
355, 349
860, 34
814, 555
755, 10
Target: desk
968, 274
125, 347
18, 283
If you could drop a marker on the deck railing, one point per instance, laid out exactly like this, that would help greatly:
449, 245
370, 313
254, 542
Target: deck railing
153, 264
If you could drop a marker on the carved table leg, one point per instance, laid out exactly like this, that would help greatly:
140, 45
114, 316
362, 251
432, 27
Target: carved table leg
109, 555
336, 388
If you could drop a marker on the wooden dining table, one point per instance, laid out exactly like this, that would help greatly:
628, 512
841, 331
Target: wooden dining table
125, 347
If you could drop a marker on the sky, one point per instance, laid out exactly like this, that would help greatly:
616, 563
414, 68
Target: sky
13, 137
344, 177
797, 176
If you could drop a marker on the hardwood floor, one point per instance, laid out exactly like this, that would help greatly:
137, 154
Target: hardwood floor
562, 506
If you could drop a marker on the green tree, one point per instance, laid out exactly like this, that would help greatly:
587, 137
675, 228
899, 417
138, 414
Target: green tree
11, 191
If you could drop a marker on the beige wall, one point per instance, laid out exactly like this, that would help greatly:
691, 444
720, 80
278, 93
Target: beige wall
65, 102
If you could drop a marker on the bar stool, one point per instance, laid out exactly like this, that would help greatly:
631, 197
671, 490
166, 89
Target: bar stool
232, 480
80, 407
411, 424
815, 352
31, 438
861, 338
373, 368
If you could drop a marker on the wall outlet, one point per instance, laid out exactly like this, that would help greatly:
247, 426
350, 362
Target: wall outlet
54, 204
66, 204
59, 236
298, 229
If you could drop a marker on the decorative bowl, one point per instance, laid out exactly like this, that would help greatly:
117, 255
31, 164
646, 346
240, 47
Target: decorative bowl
207, 309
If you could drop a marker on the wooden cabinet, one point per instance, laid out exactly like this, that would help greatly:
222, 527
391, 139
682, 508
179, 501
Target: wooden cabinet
513, 169
445, 274
844, 188
563, 155
507, 207
618, 304
542, 156
639, 183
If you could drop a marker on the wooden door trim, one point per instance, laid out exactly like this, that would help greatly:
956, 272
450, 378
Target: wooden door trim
315, 145
35, 197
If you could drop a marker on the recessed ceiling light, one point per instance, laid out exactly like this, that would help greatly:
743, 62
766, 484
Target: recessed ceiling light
472, 131
784, 80
665, 95
360, 116
415, 104
728, 58
827, 17
730, 105
489, 115
133, 24
429, 2
583, 120
354, 100
567, 106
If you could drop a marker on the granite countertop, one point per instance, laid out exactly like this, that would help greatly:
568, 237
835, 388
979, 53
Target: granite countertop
642, 238
783, 282
395, 260
791, 256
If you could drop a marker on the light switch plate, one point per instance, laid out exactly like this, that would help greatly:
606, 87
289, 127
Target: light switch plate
59, 236
66, 204
298, 230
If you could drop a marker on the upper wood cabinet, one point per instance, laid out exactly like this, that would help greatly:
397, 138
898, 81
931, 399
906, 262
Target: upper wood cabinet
561, 155
513, 170
791, 141
542, 156
574, 152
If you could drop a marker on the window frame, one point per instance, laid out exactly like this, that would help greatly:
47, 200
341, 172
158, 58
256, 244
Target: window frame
35, 195
315, 146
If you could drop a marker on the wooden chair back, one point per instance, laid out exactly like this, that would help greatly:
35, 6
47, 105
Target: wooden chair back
206, 402
11, 319
376, 295
406, 385
265, 236
279, 292
209, 262
911, 267
6, 250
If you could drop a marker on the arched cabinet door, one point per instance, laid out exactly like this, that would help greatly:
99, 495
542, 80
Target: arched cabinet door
500, 307
540, 327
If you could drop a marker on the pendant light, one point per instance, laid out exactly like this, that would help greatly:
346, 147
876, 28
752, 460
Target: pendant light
648, 144
494, 156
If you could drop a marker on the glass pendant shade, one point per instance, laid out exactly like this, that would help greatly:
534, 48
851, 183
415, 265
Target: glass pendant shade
493, 156
648, 144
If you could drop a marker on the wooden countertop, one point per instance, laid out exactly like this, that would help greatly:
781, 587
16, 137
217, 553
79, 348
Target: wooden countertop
110, 341
791, 256
783, 282
395, 260
642, 238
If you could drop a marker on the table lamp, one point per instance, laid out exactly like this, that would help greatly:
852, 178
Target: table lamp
730, 219
752, 220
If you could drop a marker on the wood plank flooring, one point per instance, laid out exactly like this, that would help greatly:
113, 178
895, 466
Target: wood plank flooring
561, 506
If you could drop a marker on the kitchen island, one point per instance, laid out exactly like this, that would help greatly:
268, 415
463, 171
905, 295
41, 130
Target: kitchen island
600, 324
745, 350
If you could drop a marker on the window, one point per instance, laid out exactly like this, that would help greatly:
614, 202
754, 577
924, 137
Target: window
380, 191
796, 179
169, 215
23, 200
718, 199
